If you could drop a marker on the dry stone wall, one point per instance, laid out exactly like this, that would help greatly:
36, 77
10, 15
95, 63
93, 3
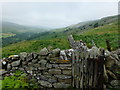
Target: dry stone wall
43, 66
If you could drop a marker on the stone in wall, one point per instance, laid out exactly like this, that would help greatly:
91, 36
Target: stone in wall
42, 63
54, 71
44, 52
55, 53
67, 72
16, 63
52, 79
49, 65
67, 81
63, 76
34, 61
61, 85
23, 55
45, 83
29, 57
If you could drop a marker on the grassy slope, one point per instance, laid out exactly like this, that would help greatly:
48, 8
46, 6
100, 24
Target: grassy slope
99, 35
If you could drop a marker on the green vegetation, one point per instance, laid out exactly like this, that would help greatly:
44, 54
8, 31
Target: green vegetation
58, 38
18, 80
34, 45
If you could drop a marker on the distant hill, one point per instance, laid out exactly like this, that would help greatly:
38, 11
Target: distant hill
78, 28
9, 27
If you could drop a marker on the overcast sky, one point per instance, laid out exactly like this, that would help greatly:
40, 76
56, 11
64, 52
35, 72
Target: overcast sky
56, 14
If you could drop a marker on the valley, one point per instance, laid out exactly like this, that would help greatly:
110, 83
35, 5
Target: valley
106, 29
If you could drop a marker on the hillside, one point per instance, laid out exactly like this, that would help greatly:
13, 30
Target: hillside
59, 39
13, 33
9, 27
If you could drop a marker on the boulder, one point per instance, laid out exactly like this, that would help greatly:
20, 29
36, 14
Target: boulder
44, 51
23, 55
45, 83
16, 63
61, 85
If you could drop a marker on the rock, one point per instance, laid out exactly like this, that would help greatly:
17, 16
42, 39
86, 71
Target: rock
49, 65
35, 55
50, 48
54, 65
61, 85
14, 68
55, 53
29, 57
67, 72
111, 74
9, 66
16, 63
44, 51
45, 83
109, 62
68, 81
67, 68
23, 55
42, 63
52, 80
34, 61
115, 82
43, 78
54, 71
63, 76
24, 62
65, 65
21, 69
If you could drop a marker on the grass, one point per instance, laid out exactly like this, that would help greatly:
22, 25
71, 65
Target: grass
33, 46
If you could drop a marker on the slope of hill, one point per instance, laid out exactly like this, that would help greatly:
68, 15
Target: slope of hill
9, 27
58, 39
12, 32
